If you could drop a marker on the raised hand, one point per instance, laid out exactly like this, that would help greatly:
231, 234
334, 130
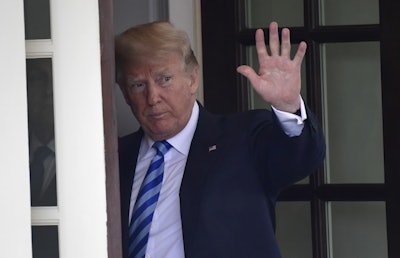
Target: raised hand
278, 81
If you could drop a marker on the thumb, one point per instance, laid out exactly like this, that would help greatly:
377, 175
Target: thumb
249, 73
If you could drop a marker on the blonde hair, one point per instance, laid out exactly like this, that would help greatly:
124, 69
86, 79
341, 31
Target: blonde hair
150, 42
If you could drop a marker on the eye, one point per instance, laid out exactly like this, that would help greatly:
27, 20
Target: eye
165, 81
136, 86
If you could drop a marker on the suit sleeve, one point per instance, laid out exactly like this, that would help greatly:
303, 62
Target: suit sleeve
284, 160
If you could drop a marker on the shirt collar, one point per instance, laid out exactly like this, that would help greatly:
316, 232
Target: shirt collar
181, 142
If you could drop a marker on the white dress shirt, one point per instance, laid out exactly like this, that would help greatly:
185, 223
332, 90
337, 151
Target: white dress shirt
166, 239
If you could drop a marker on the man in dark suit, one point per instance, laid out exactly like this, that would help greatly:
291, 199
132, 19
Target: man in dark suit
223, 174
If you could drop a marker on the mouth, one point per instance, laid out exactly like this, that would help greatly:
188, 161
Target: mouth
157, 116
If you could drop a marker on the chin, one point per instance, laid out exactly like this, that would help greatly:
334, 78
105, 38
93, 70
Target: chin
157, 135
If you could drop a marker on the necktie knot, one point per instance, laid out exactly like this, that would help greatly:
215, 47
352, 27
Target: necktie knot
162, 147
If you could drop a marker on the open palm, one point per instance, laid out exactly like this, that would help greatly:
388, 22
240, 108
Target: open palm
278, 80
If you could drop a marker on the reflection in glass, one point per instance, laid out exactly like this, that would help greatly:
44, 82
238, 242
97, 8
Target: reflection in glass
41, 132
349, 12
358, 229
37, 19
288, 13
353, 119
293, 229
45, 242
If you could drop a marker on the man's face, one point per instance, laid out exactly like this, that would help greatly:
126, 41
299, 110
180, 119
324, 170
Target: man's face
161, 95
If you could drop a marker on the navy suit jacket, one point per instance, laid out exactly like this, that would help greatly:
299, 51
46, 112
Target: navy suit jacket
228, 194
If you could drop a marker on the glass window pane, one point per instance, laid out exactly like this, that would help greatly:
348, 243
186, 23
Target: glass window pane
45, 242
353, 107
349, 12
41, 132
293, 229
37, 19
358, 229
286, 12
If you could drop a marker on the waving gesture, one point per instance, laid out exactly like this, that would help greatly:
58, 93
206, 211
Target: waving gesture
278, 80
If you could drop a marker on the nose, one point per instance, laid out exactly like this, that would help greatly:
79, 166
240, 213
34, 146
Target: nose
153, 94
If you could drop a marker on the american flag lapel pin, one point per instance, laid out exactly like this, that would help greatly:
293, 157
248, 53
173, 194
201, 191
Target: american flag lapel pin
212, 148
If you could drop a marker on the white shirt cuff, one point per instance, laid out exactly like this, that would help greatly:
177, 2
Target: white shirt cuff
292, 124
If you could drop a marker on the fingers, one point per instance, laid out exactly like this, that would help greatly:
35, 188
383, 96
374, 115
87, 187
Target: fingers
260, 45
277, 49
274, 44
274, 39
301, 51
285, 49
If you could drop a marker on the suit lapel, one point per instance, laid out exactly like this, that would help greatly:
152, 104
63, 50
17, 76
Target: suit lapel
128, 152
202, 155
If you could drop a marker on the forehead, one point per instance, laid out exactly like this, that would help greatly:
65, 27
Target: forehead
171, 62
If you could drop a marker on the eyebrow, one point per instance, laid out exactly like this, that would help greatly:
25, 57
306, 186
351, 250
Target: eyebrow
163, 72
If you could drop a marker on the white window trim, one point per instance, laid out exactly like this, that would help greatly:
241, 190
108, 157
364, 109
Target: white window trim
81, 213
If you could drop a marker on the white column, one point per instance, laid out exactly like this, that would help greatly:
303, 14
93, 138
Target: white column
79, 129
15, 218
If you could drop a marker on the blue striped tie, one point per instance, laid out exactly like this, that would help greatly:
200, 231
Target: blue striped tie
146, 203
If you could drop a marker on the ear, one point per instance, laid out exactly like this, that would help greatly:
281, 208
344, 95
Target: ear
194, 80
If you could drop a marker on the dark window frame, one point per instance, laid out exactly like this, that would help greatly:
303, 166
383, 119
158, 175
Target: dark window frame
225, 36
